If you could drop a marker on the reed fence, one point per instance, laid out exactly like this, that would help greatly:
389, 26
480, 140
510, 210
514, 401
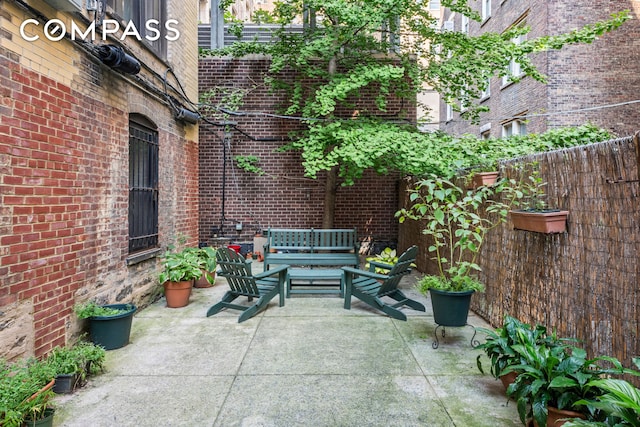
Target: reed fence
584, 283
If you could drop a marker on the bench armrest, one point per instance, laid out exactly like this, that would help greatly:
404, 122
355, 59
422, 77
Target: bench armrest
365, 273
271, 272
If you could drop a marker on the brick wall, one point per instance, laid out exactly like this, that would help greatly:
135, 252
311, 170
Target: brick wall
580, 76
64, 183
283, 197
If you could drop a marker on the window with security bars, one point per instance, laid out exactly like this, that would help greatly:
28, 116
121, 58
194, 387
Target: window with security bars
143, 185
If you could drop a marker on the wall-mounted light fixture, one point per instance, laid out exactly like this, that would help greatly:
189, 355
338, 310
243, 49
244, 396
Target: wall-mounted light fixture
116, 58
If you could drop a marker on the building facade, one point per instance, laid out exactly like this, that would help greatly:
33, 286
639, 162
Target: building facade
586, 83
98, 158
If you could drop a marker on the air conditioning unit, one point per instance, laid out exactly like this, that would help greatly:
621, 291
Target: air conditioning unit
66, 5
448, 26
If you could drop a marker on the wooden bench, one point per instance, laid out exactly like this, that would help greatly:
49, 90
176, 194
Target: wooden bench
317, 250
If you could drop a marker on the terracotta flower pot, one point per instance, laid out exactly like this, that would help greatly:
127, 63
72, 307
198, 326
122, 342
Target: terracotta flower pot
508, 379
177, 293
484, 179
540, 222
202, 282
558, 417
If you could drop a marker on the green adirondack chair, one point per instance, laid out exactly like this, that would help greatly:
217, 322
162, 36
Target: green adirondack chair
371, 287
263, 286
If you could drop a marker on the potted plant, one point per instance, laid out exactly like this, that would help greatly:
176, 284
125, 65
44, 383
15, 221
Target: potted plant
68, 369
109, 325
482, 175
91, 355
498, 346
381, 263
25, 393
457, 221
557, 381
179, 271
208, 264
534, 214
618, 402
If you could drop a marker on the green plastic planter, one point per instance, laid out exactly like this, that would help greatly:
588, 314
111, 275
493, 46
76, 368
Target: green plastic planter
65, 383
46, 421
450, 308
112, 332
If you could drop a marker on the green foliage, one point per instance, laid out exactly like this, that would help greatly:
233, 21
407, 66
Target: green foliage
181, 266
92, 357
498, 346
531, 185
560, 376
91, 309
455, 284
261, 16
249, 164
206, 257
353, 49
357, 145
21, 384
218, 101
21, 396
457, 221
384, 261
619, 403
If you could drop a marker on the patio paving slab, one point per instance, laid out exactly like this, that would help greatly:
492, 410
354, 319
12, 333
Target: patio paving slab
309, 363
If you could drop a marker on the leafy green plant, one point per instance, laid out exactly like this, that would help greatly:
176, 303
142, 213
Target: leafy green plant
249, 164
499, 343
532, 187
65, 361
457, 221
181, 266
207, 260
619, 403
91, 309
23, 392
383, 261
560, 376
92, 356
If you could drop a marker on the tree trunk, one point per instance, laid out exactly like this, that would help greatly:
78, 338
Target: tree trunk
329, 208
331, 185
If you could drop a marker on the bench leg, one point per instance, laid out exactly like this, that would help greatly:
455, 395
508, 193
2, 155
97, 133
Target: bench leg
347, 280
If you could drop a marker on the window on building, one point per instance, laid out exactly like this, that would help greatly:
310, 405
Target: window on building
486, 92
514, 127
485, 135
486, 10
143, 184
449, 113
434, 4
141, 11
465, 24
513, 69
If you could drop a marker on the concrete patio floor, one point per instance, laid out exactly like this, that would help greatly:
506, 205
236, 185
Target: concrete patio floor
309, 363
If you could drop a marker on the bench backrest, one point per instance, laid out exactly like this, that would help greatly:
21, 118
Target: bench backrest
335, 240
312, 240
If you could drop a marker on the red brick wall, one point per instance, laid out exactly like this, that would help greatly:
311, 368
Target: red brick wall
64, 191
283, 197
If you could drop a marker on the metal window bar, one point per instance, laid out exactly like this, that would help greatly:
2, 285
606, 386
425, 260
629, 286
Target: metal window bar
143, 188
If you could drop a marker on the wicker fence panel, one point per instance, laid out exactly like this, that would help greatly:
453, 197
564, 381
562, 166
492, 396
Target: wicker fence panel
584, 283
